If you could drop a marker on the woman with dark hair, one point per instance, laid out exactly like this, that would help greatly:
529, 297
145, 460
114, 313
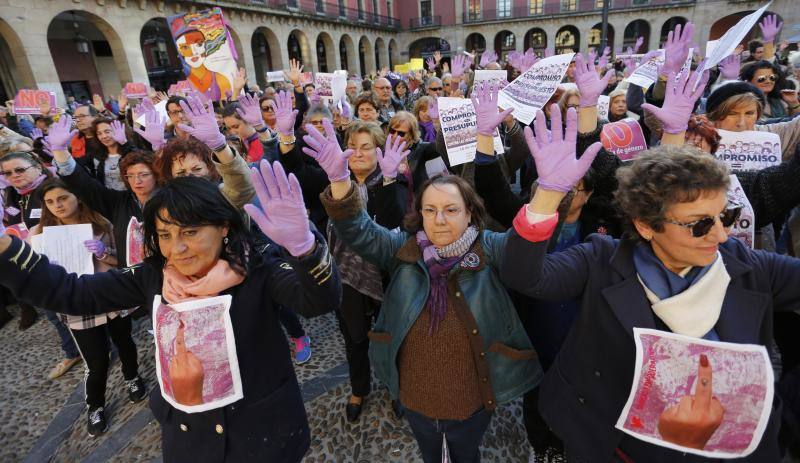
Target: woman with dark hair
447, 341
366, 108
103, 162
401, 94
768, 77
62, 207
198, 246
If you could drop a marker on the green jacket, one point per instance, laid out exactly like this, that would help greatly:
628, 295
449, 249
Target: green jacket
500, 346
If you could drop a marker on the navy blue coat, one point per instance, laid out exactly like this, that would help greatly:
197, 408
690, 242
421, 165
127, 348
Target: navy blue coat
585, 390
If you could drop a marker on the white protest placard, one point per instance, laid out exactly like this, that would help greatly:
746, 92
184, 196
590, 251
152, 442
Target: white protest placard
529, 92
197, 331
733, 37
745, 227
459, 129
667, 370
275, 76
338, 86
322, 85
711, 45
647, 73
603, 102
498, 78
749, 150
64, 245
161, 107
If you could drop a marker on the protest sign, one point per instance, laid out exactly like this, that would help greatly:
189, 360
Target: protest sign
29, 101
134, 242
207, 51
322, 85
750, 150
197, 331
275, 76
459, 129
733, 37
306, 78
745, 227
64, 244
529, 92
401, 68
182, 87
666, 371
339, 86
136, 90
711, 45
623, 138
416, 64
646, 73
603, 102
496, 78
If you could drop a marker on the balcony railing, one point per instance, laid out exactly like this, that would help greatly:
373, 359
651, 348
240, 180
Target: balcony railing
329, 10
425, 21
563, 7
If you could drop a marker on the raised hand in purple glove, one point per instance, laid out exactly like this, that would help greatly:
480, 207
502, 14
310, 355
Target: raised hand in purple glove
459, 65
548, 52
488, 57
326, 150
555, 155
204, 125
153, 129
639, 43
431, 64
676, 49
250, 111
118, 132
770, 27
433, 108
514, 58
36, 133
589, 83
395, 152
729, 67
96, 247
679, 99
61, 134
282, 216
528, 59
284, 114
346, 113
603, 61
484, 99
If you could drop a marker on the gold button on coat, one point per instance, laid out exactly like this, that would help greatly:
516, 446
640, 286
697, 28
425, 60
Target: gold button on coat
184, 428
218, 428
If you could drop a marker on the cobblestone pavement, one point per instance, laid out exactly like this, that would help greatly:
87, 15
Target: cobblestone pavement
43, 420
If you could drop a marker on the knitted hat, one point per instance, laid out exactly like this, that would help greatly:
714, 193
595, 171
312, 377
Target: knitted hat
725, 91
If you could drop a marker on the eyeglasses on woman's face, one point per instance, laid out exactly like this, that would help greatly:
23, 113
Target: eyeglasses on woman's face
771, 78
16, 170
141, 176
702, 227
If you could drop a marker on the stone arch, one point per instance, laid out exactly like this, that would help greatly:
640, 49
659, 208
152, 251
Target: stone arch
366, 56
380, 53
161, 59
596, 34
299, 48
536, 38
15, 69
568, 40
394, 53
634, 30
266, 49
669, 25
347, 54
475, 41
721, 25
326, 53
504, 42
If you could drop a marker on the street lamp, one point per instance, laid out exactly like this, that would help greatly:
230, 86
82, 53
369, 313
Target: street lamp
81, 42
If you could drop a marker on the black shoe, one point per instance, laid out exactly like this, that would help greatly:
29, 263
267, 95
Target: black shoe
27, 316
353, 411
97, 423
398, 410
136, 390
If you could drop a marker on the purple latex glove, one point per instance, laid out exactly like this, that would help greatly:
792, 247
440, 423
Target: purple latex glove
679, 99
395, 152
326, 150
285, 116
548, 52
60, 134
589, 83
770, 27
639, 43
36, 133
528, 59
514, 58
118, 132
676, 49
488, 57
250, 111
431, 64
433, 108
729, 67
282, 216
484, 99
153, 129
460, 64
346, 113
96, 247
204, 125
554, 153
603, 61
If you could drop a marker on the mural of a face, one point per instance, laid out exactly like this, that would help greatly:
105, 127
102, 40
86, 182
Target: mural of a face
193, 48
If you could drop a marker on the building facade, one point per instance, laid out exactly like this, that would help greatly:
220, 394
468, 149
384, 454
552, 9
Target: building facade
81, 47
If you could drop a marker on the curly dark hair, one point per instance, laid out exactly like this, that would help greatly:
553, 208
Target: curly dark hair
136, 157
661, 177
412, 222
748, 71
176, 150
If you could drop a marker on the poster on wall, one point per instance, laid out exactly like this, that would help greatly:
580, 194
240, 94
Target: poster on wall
207, 51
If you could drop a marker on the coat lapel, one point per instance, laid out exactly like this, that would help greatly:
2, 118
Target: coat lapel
743, 310
627, 298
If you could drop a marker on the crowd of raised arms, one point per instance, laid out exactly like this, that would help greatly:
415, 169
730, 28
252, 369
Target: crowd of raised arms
517, 274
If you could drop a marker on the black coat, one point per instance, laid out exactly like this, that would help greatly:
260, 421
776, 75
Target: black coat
585, 390
269, 424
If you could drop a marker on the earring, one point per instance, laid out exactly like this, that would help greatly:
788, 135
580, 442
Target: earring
225, 240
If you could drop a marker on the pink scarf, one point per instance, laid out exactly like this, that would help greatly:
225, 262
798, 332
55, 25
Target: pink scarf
179, 288
32, 187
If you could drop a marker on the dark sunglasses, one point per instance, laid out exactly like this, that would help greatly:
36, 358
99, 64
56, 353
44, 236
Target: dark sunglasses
16, 170
771, 77
399, 133
435, 89
267, 109
700, 228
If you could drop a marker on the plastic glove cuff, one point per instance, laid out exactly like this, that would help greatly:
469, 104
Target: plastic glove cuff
304, 247
344, 177
545, 185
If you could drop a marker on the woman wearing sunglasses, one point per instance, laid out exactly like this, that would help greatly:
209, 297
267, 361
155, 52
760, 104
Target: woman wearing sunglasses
676, 271
768, 77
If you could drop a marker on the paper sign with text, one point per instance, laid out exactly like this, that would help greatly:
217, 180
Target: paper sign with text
603, 102
497, 78
623, 138
750, 150
646, 73
28, 101
306, 78
136, 90
459, 129
275, 76
745, 228
323, 84
529, 92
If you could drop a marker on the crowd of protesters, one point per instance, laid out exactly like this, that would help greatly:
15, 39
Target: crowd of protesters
519, 274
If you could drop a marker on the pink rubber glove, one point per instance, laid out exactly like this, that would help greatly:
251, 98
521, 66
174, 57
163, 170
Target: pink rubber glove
554, 153
96, 247
488, 57
285, 116
36, 133
204, 125
250, 111
395, 153
326, 150
59, 136
118, 132
282, 216
589, 83
770, 27
676, 49
484, 99
679, 99
459, 64
729, 67
153, 129
433, 108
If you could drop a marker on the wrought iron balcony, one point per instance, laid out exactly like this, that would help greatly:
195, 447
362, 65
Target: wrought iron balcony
425, 21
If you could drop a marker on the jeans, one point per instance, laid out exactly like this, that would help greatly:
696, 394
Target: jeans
290, 322
355, 315
67, 343
463, 437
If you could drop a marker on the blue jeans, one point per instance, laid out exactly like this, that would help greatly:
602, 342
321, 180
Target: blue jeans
463, 437
67, 343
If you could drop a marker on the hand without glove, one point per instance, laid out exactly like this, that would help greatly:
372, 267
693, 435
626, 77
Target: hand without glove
96, 247
204, 125
589, 84
679, 100
326, 150
484, 99
395, 153
59, 136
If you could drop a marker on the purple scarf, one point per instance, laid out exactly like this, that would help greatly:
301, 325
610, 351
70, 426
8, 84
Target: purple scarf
33, 186
429, 132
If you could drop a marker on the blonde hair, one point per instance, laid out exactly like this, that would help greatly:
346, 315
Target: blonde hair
371, 128
422, 104
562, 102
721, 111
405, 116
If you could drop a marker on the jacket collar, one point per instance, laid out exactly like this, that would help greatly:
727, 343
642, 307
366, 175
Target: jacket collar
474, 260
